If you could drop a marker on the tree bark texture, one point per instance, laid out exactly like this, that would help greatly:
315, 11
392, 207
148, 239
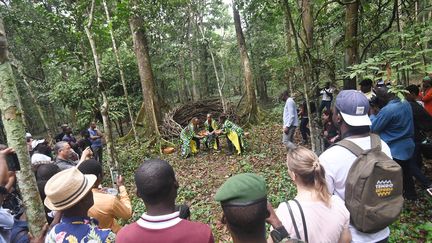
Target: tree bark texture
252, 108
150, 98
288, 37
120, 67
351, 40
15, 130
105, 105
307, 19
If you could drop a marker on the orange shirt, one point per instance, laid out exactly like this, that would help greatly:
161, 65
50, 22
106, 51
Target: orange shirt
427, 100
107, 208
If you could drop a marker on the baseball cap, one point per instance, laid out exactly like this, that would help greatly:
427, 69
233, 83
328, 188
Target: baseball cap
354, 107
35, 143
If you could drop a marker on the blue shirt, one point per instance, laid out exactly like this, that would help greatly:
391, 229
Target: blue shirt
97, 142
79, 229
394, 124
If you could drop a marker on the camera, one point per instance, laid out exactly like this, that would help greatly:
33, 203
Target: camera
13, 162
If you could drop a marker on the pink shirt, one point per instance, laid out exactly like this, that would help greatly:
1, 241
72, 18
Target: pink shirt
324, 224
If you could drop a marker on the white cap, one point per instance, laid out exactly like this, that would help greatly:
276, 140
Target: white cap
35, 143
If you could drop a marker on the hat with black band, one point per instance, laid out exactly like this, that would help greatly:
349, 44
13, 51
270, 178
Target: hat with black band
67, 188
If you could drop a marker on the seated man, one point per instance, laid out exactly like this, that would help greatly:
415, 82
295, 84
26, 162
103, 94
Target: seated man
107, 208
157, 187
245, 209
211, 139
234, 134
70, 191
190, 141
64, 153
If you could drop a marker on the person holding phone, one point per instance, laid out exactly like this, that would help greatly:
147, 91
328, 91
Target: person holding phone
107, 208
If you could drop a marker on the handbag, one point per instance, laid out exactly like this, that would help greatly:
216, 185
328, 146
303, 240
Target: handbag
294, 223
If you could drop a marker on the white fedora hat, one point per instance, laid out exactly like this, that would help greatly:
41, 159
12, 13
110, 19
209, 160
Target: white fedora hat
67, 188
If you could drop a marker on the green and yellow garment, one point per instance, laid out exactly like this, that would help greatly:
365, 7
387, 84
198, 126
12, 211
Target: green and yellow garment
210, 128
188, 145
235, 134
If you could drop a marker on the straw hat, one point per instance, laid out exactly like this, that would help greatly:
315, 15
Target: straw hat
67, 188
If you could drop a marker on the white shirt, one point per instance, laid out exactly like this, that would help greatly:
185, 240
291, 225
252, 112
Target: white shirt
6, 224
337, 162
326, 97
290, 117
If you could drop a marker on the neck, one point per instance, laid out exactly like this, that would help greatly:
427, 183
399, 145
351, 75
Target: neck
251, 239
160, 208
61, 157
75, 213
306, 193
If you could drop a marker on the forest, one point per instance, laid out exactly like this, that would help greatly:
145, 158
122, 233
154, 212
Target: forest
143, 69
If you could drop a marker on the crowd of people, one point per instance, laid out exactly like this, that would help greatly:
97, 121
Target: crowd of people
370, 134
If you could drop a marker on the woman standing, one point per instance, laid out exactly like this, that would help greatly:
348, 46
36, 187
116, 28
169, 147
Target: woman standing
313, 215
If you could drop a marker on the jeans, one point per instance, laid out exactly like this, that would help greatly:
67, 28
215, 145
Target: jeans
287, 138
414, 167
97, 153
304, 130
408, 182
326, 104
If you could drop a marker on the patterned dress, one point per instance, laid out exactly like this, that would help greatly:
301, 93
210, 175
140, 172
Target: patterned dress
79, 229
188, 145
211, 140
235, 134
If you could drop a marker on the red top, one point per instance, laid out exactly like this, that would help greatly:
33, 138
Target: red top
165, 228
427, 100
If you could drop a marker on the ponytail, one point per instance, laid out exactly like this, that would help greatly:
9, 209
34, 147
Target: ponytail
305, 164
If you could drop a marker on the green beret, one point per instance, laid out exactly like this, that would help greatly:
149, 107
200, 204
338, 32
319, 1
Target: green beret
242, 189
427, 78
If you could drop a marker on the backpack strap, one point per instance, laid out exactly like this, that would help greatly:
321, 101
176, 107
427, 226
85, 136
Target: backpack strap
375, 141
352, 147
303, 221
293, 220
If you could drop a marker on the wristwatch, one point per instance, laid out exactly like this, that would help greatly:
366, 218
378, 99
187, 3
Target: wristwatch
278, 234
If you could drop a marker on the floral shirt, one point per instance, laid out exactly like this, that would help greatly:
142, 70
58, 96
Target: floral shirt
230, 126
79, 229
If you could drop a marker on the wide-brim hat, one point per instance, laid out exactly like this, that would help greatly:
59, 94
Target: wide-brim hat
67, 188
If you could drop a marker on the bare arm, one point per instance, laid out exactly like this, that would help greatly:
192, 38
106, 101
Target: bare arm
345, 236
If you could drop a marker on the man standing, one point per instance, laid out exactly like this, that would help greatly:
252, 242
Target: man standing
96, 138
327, 97
350, 115
290, 119
394, 124
157, 186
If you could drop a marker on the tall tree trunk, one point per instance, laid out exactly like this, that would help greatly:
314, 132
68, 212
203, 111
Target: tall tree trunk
14, 128
105, 106
120, 67
219, 85
252, 109
288, 37
153, 115
195, 91
351, 40
314, 139
307, 19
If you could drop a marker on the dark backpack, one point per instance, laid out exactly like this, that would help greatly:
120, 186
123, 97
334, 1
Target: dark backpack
373, 189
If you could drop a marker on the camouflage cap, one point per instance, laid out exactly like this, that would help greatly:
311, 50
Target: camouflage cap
242, 189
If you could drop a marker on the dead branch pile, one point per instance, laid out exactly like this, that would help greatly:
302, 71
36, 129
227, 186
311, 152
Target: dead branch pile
180, 117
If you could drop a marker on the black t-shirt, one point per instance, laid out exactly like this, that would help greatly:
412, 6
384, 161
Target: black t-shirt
422, 120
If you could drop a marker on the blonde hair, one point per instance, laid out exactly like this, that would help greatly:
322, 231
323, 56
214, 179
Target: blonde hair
305, 164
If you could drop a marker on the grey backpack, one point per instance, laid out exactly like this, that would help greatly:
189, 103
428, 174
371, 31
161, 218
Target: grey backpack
373, 189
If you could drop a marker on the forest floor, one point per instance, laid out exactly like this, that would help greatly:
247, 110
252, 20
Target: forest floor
201, 175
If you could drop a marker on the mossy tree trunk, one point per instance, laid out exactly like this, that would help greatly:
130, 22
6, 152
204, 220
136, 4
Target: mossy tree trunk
252, 109
152, 115
15, 131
